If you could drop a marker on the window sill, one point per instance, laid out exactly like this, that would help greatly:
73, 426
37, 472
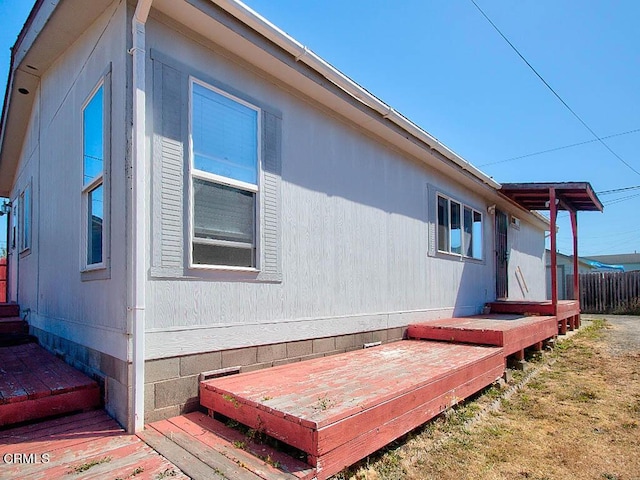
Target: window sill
216, 274
98, 272
458, 257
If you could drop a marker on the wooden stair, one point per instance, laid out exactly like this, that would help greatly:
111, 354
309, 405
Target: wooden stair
34, 384
513, 332
341, 408
10, 321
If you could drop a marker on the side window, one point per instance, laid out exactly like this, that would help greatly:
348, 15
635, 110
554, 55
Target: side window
15, 214
93, 168
459, 229
25, 219
225, 172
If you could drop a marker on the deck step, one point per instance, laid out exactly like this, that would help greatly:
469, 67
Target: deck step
9, 310
206, 449
35, 384
511, 332
341, 408
13, 325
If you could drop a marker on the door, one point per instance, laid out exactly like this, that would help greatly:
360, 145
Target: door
502, 255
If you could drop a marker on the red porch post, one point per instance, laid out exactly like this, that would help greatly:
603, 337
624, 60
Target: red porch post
553, 212
576, 271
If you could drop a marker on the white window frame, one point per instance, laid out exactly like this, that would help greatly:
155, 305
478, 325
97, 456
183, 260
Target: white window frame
95, 182
463, 249
25, 222
221, 180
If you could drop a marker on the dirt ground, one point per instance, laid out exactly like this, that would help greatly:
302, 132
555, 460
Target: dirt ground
576, 416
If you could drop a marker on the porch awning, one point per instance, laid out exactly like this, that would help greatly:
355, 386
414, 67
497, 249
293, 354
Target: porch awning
575, 196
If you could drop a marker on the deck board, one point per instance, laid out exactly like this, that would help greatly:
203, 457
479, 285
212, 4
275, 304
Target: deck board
210, 444
349, 405
76, 440
36, 384
512, 332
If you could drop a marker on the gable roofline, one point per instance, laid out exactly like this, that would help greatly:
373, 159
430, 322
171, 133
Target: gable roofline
49, 16
303, 54
45, 35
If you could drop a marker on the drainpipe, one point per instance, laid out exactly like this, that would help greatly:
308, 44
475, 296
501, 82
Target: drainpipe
137, 278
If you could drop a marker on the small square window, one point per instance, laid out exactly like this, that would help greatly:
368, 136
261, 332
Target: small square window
459, 229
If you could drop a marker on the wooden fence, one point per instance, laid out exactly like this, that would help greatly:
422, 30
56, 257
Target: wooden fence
609, 292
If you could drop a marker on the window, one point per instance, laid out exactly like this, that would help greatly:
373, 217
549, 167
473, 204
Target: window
93, 151
224, 178
459, 229
25, 219
15, 213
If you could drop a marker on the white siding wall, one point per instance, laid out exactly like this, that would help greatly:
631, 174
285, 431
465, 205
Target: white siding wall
354, 237
526, 263
92, 313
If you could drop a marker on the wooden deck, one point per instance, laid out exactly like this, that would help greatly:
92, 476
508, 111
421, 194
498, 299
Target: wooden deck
35, 384
511, 332
205, 448
567, 311
340, 409
81, 446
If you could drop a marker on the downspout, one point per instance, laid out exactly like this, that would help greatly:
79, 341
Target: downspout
137, 278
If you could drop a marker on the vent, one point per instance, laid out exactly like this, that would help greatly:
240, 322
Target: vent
515, 222
223, 372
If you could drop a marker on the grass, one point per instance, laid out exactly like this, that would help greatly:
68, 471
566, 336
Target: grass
83, 467
579, 417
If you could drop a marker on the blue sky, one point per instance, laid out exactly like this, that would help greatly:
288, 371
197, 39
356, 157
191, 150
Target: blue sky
441, 64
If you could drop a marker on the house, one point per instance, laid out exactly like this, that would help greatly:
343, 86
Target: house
629, 261
193, 190
565, 269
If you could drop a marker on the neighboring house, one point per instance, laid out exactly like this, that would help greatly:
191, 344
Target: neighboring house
629, 261
192, 189
564, 269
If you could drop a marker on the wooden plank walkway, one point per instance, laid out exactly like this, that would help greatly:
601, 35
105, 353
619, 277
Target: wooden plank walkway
512, 332
206, 449
88, 445
35, 384
341, 408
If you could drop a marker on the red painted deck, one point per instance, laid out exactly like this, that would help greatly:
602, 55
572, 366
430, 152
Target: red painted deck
35, 384
567, 311
341, 408
512, 332
224, 450
81, 446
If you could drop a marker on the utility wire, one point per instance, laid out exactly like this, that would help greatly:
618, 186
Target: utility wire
559, 148
616, 190
553, 91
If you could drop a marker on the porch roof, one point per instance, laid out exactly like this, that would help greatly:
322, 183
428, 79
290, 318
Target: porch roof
575, 196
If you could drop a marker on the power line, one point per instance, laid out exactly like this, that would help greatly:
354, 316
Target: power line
553, 91
616, 190
622, 199
559, 148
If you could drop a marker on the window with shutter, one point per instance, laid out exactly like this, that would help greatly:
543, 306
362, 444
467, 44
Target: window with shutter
225, 173
459, 229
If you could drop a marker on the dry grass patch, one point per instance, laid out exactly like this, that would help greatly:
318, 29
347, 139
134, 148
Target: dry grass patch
578, 418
